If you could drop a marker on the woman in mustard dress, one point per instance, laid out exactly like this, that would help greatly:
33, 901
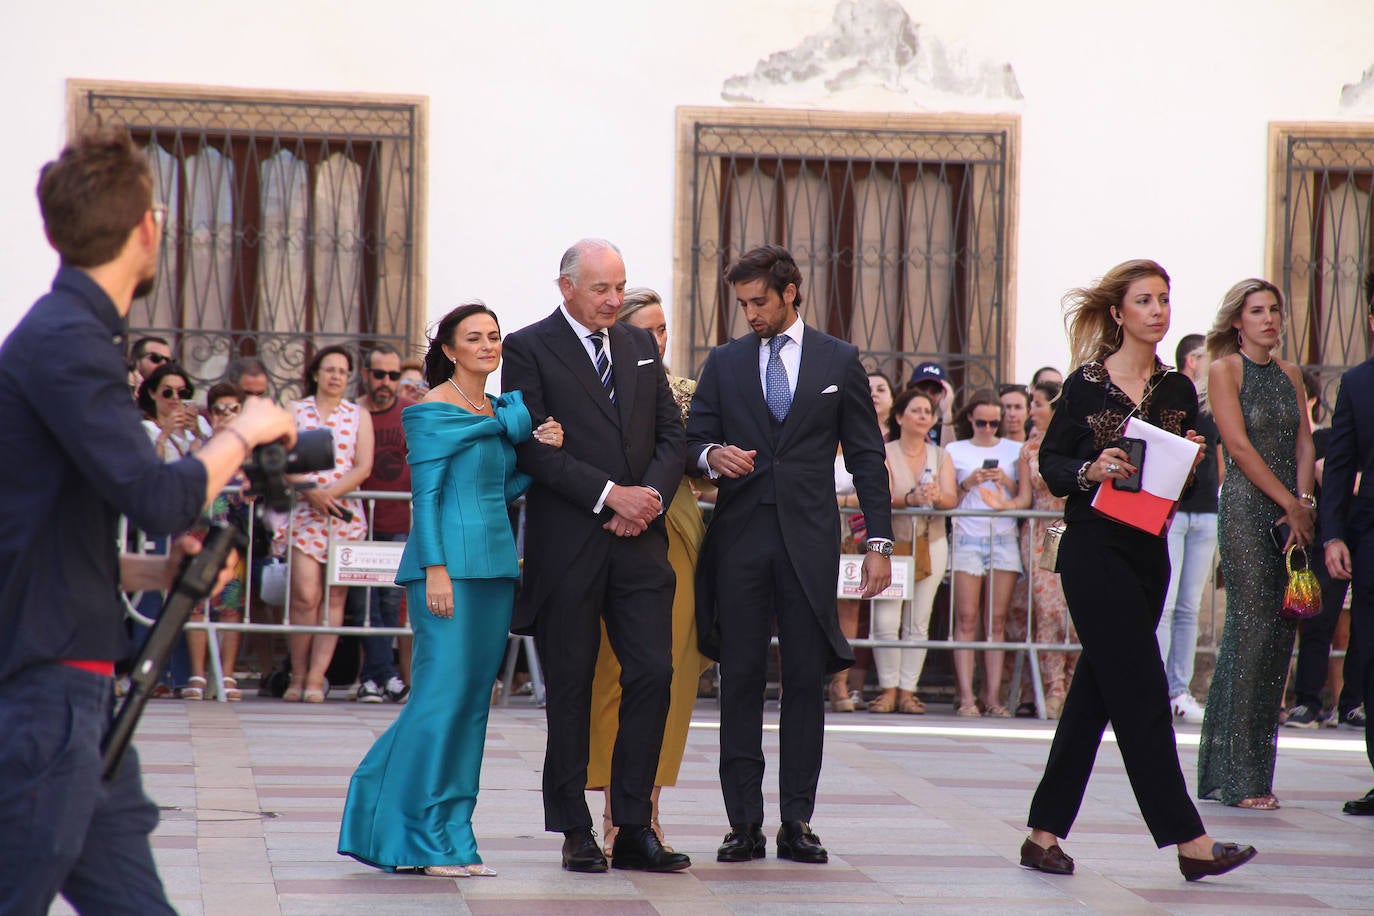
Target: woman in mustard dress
644, 309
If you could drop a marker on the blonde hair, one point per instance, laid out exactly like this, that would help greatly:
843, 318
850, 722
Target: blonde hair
1223, 338
1093, 334
636, 298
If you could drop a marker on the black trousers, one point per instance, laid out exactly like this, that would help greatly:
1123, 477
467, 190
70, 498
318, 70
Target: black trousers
633, 591
1361, 543
1314, 646
755, 585
1114, 580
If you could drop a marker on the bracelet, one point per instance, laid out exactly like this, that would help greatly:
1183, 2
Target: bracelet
247, 449
1084, 483
1308, 500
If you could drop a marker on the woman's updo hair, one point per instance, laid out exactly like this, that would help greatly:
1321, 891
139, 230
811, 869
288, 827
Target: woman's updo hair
899, 406
438, 367
636, 298
1050, 390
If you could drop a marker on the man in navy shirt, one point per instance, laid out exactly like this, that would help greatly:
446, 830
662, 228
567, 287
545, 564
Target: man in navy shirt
80, 459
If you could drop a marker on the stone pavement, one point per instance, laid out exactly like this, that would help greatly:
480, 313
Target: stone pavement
919, 813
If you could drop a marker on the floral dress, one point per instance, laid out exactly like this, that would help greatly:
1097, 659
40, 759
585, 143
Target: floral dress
309, 530
1051, 622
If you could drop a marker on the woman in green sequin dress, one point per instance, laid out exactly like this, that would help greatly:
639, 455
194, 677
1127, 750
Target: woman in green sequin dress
1257, 400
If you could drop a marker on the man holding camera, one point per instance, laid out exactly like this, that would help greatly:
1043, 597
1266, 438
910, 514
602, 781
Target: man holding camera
65, 412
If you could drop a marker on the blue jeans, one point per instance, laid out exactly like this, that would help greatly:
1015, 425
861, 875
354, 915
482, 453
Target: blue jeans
62, 828
1192, 547
384, 609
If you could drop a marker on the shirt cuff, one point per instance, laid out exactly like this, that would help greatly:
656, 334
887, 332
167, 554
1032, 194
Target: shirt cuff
706, 465
601, 503
662, 507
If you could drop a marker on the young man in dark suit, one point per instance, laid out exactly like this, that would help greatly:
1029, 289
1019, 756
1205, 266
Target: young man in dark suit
769, 411
596, 547
1346, 517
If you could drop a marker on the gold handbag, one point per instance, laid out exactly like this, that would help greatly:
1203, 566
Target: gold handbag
1049, 546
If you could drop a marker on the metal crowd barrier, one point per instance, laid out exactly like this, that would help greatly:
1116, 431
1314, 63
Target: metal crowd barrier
1025, 650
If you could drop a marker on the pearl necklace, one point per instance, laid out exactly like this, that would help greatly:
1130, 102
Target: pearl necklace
475, 408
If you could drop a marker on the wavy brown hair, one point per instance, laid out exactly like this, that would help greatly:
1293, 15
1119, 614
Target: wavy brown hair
1093, 334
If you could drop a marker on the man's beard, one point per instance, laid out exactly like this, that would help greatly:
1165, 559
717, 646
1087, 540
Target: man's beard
145, 286
383, 397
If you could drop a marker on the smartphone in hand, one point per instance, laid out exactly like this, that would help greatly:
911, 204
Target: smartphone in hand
1135, 456
1279, 533
989, 464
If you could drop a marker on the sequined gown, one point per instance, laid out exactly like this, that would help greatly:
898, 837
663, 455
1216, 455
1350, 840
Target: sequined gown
1240, 725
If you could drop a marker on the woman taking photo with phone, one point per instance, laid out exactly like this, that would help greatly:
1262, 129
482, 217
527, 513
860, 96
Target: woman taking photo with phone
1259, 403
1115, 576
986, 559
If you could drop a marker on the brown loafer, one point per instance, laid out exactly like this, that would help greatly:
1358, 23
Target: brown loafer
1052, 861
1225, 856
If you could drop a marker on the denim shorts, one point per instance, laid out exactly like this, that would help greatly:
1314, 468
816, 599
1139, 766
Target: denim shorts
976, 556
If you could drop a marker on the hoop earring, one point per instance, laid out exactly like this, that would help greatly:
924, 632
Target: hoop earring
1240, 341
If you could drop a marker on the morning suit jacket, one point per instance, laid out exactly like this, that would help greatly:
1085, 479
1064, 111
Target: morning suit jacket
1349, 450
637, 441
794, 468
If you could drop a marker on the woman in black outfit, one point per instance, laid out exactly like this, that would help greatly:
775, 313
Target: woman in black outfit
1115, 576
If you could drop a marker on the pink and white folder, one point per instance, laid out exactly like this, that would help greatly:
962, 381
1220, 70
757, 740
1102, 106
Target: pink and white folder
1168, 462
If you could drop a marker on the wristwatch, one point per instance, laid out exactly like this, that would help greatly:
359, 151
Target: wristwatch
880, 546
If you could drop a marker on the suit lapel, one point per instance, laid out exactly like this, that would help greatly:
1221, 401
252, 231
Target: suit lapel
563, 343
746, 369
625, 368
815, 357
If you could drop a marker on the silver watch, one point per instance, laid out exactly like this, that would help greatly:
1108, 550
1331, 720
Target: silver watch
880, 546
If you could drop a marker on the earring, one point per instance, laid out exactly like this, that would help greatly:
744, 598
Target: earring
1240, 341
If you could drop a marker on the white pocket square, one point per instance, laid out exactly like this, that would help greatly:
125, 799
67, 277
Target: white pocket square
643, 362
829, 390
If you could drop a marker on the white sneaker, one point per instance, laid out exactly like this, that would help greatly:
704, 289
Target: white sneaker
1185, 709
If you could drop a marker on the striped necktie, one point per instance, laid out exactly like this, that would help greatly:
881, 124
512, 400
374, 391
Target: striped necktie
603, 363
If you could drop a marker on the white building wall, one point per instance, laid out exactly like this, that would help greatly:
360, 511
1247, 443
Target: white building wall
1143, 126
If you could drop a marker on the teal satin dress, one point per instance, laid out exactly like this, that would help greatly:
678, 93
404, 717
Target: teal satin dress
410, 802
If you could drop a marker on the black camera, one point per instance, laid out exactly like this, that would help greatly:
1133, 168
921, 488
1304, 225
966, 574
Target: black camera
268, 465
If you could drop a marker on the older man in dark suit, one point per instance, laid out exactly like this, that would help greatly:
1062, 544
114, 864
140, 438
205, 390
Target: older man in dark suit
1347, 518
596, 546
769, 410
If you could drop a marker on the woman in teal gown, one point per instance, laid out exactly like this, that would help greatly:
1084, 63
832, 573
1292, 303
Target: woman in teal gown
410, 802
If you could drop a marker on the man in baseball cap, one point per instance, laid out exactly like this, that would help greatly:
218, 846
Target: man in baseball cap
930, 378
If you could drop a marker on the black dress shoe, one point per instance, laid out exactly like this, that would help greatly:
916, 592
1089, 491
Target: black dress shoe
1053, 861
743, 843
637, 848
798, 843
1225, 856
581, 852
1361, 805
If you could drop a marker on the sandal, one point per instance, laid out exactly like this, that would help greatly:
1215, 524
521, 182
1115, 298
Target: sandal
315, 695
232, 693
911, 706
293, 693
969, 710
1259, 803
658, 832
884, 702
998, 712
194, 689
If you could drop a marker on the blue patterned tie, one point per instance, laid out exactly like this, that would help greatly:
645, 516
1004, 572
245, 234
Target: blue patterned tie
603, 363
776, 392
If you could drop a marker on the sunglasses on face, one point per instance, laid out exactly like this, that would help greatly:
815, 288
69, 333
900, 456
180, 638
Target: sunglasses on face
183, 393
987, 424
157, 359
225, 410
380, 374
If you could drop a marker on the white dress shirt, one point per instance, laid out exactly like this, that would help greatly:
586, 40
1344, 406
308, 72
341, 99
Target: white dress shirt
789, 353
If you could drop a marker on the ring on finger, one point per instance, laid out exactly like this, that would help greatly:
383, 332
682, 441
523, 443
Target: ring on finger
1113, 467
